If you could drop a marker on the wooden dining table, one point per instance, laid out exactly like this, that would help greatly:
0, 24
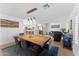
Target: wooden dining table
40, 40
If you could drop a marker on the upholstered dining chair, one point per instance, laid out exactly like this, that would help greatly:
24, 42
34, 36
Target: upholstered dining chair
46, 46
18, 45
18, 42
21, 33
57, 36
23, 44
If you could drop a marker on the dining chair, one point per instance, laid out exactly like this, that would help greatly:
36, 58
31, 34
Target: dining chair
21, 33
57, 36
46, 46
36, 50
18, 45
18, 42
23, 44
29, 45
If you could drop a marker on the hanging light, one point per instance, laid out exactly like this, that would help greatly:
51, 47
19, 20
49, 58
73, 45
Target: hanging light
31, 22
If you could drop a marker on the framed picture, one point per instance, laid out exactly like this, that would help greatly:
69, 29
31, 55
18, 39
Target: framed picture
55, 26
9, 23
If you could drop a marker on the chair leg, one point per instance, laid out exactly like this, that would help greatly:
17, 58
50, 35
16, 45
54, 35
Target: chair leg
17, 50
23, 44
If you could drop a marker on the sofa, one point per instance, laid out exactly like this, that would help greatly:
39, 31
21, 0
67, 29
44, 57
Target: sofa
67, 40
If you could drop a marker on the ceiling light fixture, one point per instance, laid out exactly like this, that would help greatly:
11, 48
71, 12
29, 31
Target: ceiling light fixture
32, 10
46, 5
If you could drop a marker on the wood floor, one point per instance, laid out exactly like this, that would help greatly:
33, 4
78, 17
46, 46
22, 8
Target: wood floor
1, 54
62, 51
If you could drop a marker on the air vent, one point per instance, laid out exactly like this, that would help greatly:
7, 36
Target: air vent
32, 10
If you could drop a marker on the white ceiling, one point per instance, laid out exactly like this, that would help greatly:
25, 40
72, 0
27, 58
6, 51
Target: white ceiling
56, 10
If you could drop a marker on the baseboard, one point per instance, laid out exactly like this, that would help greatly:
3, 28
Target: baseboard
7, 45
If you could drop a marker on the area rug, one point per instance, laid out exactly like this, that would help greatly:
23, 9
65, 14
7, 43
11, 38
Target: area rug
53, 51
13, 51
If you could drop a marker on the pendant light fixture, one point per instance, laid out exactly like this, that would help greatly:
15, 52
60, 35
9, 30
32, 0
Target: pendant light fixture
31, 22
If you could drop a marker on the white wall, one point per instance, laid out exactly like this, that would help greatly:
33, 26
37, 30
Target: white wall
47, 26
6, 34
62, 25
76, 36
75, 28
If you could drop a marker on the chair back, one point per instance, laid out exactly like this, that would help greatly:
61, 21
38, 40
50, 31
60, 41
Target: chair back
16, 39
57, 36
21, 33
